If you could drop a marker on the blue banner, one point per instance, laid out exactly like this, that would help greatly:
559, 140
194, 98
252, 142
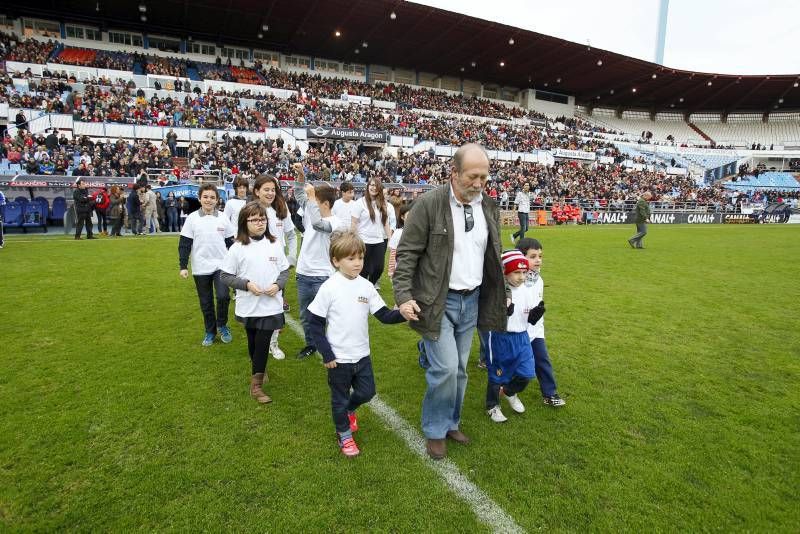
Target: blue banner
187, 190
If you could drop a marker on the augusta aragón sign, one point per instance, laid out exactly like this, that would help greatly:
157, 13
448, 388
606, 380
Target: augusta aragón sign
369, 136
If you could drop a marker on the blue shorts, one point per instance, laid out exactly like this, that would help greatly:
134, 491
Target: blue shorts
509, 355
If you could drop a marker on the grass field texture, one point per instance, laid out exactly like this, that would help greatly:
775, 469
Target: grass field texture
680, 365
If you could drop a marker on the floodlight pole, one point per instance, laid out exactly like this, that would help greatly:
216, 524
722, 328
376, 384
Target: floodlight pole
661, 33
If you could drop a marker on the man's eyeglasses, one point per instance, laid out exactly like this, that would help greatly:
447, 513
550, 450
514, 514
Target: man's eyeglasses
469, 220
257, 220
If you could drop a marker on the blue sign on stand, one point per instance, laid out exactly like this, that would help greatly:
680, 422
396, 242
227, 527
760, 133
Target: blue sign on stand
187, 190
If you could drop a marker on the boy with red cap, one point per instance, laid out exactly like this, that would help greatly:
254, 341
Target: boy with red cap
510, 357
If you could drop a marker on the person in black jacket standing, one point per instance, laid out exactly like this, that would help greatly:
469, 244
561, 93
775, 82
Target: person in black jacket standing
83, 210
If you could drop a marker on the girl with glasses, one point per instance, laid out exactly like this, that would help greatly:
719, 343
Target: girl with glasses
259, 288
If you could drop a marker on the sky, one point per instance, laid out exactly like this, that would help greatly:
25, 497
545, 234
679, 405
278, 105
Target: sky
717, 36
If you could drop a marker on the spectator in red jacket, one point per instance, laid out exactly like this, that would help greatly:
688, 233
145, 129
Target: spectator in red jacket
101, 203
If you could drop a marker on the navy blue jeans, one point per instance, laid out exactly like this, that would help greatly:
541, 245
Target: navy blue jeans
307, 288
207, 285
352, 384
544, 369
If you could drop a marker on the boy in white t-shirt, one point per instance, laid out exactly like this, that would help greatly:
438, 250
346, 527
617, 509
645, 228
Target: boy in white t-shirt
343, 305
343, 207
314, 264
510, 358
532, 249
234, 205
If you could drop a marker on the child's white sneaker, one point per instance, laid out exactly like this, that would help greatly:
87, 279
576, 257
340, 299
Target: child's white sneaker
276, 351
496, 415
514, 402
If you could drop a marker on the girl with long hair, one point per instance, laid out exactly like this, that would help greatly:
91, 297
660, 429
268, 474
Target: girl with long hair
267, 191
373, 218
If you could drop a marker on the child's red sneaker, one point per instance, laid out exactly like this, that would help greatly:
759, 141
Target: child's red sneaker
349, 447
353, 421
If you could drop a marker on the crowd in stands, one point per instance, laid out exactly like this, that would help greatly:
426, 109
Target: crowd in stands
54, 153
102, 59
211, 110
235, 156
316, 86
229, 73
120, 102
29, 50
608, 186
99, 104
163, 66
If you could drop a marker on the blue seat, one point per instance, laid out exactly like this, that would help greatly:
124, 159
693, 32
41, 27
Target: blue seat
45, 206
59, 209
21, 200
34, 215
12, 214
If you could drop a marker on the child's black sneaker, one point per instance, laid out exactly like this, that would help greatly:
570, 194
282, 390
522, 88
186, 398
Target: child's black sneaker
554, 400
306, 352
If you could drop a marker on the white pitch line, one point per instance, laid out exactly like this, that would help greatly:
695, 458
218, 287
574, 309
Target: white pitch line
487, 511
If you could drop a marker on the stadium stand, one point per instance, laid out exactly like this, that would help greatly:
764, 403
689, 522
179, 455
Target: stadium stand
781, 181
635, 125
433, 119
749, 130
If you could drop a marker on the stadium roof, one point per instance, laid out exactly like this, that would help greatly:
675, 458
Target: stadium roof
433, 40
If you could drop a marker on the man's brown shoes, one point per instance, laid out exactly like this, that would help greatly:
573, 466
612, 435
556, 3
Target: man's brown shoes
436, 448
457, 436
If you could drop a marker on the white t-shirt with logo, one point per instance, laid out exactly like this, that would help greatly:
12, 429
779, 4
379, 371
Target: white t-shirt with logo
260, 262
314, 257
346, 305
284, 230
524, 299
536, 288
208, 234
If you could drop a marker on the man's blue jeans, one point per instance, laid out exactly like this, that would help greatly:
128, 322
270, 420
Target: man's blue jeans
307, 287
523, 224
447, 374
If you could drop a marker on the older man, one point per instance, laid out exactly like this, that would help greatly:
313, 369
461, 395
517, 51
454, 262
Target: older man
448, 279
642, 217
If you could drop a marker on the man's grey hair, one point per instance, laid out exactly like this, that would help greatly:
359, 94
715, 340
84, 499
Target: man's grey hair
458, 157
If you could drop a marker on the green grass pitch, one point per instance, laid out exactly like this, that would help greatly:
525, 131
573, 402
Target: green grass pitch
680, 365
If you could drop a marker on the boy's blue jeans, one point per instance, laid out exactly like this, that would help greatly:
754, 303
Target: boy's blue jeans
307, 288
352, 384
544, 369
447, 374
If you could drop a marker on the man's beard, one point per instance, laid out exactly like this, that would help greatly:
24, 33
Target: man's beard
470, 194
